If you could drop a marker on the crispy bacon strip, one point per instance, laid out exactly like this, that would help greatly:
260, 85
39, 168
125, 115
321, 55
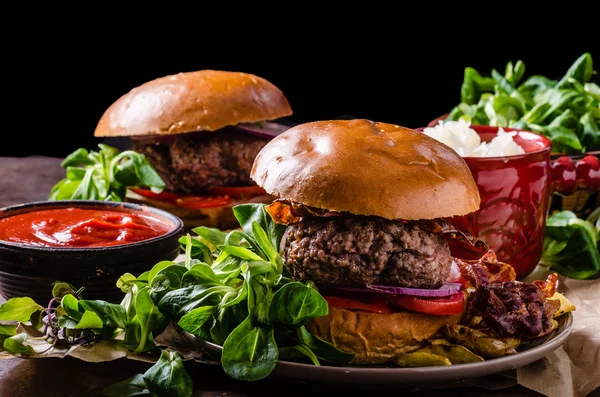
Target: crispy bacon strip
282, 213
486, 270
473, 271
499, 272
549, 286
445, 228
287, 212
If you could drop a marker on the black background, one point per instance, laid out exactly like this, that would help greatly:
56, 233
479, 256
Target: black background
61, 80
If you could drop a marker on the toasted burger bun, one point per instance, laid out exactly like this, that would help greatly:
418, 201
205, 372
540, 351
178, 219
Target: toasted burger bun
377, 338
219, 217
205, 100
367, 168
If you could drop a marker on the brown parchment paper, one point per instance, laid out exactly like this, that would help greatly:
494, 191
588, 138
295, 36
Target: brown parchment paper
574, 368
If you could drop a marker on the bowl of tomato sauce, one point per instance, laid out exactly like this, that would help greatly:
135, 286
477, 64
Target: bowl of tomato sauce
88, 244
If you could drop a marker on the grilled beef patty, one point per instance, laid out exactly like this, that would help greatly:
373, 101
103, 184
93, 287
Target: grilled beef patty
195, 162
352, 250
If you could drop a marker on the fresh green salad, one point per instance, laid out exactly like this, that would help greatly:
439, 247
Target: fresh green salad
566, 110
104, 175
231, 289
571, 244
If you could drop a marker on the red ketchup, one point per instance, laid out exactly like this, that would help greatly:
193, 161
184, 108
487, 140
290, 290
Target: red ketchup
80, 228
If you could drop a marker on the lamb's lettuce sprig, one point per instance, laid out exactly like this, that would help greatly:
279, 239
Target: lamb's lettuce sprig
566, 110
104, 175
571, 244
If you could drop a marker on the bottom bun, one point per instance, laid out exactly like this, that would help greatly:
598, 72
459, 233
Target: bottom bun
377, 338
217, 217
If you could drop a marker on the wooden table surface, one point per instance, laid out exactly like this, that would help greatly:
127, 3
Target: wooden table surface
30, 179
50, 377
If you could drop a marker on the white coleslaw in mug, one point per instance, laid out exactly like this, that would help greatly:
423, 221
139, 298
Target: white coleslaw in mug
466, 142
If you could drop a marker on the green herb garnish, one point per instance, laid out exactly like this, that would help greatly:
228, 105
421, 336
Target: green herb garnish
567, 111
104, 175
571, 244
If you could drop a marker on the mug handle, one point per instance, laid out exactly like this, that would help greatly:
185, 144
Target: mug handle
569, 175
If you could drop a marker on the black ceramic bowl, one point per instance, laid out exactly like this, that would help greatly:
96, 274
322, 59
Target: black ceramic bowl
28, 270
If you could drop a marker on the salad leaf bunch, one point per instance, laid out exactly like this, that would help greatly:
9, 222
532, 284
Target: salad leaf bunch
571, 244
234, 290
565, 110
104, 175
67, 320
231, 289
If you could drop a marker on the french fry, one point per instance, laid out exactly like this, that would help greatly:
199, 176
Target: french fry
457, 354
421, 359
565, 305
479, 342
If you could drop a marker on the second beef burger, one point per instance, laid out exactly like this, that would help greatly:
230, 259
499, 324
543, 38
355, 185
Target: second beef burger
201, 131
365, 204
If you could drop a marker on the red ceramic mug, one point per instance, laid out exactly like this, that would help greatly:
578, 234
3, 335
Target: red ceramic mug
515, 194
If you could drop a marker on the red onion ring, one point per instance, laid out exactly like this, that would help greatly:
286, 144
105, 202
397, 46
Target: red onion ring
264, 129
445, 290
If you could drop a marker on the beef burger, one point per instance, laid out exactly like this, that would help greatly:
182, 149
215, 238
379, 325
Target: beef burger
365, 204
201, 131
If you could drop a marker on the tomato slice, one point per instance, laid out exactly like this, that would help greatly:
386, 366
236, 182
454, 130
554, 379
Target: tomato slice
242, 191
203, 201
354, 304
166, 196
186, 201
453, 304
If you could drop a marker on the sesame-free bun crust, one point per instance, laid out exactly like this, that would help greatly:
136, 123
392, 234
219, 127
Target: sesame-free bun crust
367, 168
205, 100
377, 338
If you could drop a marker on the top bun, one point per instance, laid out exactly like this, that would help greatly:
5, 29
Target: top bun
193, 101
367, 168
